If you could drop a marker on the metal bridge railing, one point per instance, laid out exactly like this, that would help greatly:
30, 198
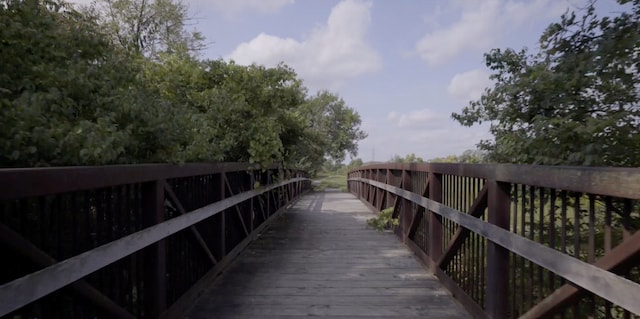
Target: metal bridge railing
516, 241
130, 241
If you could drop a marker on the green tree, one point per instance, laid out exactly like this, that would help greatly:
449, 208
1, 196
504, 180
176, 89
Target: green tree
179, 83
66, 97
355, 163
468, 156
255, 110
337, 123
148, 27
575, 102
446, 159
409, 158
472, 157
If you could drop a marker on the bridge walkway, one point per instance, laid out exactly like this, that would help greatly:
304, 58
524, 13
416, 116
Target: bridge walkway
320, 259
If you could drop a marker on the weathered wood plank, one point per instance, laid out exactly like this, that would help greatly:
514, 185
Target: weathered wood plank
322, 291
278, 283
348, 277
431, 311
321, 260
397, 300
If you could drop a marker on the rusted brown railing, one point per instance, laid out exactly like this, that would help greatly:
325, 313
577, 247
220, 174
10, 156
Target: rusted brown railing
515, 241
134, 241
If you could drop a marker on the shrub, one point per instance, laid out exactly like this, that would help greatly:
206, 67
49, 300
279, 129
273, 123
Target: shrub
384, 220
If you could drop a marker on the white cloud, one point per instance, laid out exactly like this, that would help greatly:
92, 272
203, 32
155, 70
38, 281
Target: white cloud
474, 30
481, 26
426, 133
236, 6
332, 53
451, 139
469, 85
447, 138
414, 119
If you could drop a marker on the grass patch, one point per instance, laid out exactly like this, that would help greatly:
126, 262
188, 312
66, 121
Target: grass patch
331, 181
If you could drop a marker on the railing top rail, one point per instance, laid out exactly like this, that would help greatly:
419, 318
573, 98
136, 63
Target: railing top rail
609, 181
29, 182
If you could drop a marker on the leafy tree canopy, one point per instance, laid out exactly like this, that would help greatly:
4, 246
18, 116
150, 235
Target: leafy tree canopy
409, 158
355, 163
468, 156
116, 83
147, 27
574, 102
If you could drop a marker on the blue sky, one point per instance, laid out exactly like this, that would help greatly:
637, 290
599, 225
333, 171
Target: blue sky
404, 65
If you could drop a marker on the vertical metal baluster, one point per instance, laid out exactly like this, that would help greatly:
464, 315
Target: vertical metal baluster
517, 300
541, 240
563, 234
576, 243
607, 243
592, 250
552, 232
626, 233
532, 208
523, 272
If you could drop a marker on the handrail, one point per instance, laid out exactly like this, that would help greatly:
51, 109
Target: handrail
24, 290
610, 181
38, 181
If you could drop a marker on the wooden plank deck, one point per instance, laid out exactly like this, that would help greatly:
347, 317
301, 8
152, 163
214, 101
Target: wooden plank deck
319, 259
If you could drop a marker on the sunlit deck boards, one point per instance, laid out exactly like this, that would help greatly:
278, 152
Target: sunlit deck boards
319, 259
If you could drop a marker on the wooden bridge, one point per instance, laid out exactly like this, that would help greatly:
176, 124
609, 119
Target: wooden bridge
232, 241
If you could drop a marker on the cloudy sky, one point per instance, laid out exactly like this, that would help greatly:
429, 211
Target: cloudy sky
404, 65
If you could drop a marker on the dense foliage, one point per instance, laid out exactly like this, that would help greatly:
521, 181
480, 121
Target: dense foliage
575, 102
119, 83
468, 156
409, 158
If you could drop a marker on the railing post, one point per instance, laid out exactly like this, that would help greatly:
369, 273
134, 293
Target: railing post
382, 194
155, 255
376, 197
371, 190
367, 187
354, 187
222, 231
435, 221
251, 201
386, 200
269, 193
360, 185
406, 213
363, 187
497, 304
374, 190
